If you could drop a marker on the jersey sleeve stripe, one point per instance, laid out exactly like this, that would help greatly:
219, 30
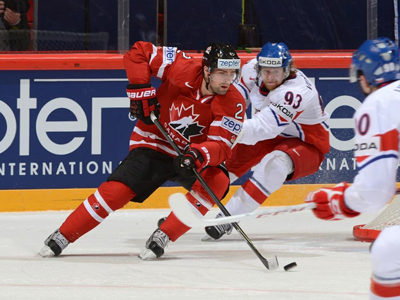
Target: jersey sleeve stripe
204, 100
166, 59
301, 133
388, 147
146, 134
215, 130
153, 54
364, 161
219, 138
298, 114
277, 119
390, 140
242, 90
216, 123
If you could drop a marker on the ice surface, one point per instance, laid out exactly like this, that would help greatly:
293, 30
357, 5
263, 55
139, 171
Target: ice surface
104, 264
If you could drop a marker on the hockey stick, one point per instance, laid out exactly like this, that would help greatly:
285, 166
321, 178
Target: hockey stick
183, 212
270, 264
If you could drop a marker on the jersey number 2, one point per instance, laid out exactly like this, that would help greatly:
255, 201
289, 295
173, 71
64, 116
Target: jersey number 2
238, 113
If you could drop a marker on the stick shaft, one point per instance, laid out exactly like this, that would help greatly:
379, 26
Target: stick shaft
210, 192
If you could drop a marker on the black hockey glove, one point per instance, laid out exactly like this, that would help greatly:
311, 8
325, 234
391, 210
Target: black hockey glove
192, 158
143, 101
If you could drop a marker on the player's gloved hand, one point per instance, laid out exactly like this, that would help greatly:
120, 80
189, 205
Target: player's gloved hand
330, 203
194, 156
143, 101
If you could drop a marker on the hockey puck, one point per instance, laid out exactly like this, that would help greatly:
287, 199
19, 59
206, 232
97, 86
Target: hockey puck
290, 266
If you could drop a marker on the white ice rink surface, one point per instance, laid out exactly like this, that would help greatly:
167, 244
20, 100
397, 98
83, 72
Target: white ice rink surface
104, 264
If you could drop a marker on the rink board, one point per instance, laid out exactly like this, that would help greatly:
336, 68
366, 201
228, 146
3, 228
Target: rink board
64, 126
66, 199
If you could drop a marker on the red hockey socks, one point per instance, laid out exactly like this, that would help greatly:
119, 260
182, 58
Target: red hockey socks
385, 290
254, 192
173, 227
109, 197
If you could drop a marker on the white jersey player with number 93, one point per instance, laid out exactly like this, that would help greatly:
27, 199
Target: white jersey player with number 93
285, 140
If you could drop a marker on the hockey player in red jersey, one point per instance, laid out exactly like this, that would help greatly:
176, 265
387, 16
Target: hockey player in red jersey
285, 140
201, 105
375, 67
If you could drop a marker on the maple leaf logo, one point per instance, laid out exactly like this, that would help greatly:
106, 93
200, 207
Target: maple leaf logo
183, 120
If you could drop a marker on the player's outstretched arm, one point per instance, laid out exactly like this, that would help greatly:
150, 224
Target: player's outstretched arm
330, 203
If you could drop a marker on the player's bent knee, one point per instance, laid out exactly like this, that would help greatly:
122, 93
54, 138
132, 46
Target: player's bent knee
221, 184
285, 159
218, 182
277, 160
115, 194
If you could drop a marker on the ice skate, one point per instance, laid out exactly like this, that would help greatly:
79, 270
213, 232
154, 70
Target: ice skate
54, 245
217, 231
155, 245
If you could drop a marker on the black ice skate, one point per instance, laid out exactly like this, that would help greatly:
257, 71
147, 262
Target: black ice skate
155, 245
217, 231
54, 245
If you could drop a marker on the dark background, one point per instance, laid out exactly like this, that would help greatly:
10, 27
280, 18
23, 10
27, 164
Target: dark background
191, 25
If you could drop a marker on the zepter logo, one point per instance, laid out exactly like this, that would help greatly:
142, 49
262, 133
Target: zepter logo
228, 64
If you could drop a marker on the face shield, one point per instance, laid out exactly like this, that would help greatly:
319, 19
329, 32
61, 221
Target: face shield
222, 75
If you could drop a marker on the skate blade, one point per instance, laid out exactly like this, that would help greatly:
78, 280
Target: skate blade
46, 252
147, 254
207, 238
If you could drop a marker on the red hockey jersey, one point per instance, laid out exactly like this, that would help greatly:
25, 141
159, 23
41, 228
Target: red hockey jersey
185, 114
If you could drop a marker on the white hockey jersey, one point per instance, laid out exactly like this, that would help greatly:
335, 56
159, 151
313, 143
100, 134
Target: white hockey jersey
294, 109
377, 129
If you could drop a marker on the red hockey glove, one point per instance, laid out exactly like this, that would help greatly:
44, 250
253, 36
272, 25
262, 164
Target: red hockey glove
143, 101
194, 156
330, 203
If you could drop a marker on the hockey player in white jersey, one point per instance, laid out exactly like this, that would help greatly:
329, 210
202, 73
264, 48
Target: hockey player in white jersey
287, 138
375, 66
